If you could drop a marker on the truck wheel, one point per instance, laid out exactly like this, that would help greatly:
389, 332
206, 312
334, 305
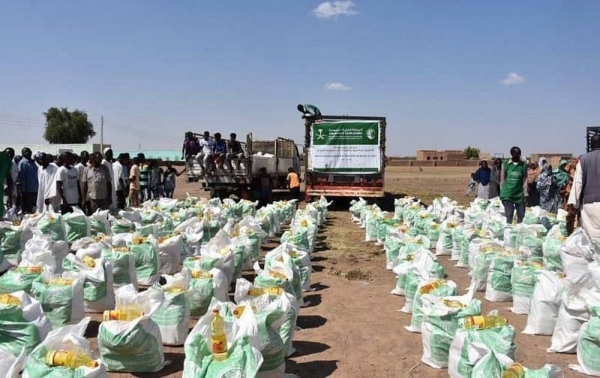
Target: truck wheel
213, 193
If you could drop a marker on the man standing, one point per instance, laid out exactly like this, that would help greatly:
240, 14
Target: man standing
585, 193
47, 195
83, 163
206, 152
14, 176
190, 149
294, 184
5, 167
120, 177
28, 181
96, 183
513, 187
144, 178
134, 183
67, 184
108, 163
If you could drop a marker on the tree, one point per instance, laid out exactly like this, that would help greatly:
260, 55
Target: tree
471, 152
63, 126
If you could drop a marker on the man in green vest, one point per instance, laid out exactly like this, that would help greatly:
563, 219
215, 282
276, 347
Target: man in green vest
513, 186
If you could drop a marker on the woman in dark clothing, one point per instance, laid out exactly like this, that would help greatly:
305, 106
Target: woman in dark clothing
482, 177
495, 179
533, 171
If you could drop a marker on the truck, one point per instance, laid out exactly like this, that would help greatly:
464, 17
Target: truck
277, 155
591, 131
344, 156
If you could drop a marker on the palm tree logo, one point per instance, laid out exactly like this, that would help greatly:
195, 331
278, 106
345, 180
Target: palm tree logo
320, 134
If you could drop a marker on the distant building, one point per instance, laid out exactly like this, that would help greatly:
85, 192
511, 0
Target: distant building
443, 155
54, 149
164, 155
552, 158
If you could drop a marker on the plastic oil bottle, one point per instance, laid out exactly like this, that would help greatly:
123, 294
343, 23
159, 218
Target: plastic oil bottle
219, 339
428, 288
485, 321
70, 359
10, 300
514, 371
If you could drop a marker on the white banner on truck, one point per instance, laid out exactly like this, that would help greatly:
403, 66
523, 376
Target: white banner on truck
345, 147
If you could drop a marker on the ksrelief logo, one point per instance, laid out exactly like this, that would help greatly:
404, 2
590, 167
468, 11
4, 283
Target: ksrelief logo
371, 133
320, 134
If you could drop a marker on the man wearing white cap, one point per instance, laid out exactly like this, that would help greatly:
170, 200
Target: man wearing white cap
108, 163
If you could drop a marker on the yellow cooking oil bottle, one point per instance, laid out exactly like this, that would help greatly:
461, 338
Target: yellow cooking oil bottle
10, 300
485, 321
70, 359
219, 339
514, 370
428, 288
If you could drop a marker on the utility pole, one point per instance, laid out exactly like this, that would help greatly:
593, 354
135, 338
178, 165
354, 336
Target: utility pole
101, 133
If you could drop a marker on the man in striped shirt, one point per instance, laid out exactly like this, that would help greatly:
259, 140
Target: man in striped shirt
144, 178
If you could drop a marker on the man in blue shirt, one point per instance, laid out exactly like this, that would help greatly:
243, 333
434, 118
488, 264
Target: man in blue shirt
28, 181
220, 150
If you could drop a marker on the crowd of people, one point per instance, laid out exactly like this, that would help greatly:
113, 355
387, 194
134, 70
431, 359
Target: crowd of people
520, 184
40, 181
212, 153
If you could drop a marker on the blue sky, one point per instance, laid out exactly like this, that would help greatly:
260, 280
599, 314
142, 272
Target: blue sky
445, 74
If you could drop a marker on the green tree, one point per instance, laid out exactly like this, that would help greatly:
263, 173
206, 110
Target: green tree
471, 152
63, 126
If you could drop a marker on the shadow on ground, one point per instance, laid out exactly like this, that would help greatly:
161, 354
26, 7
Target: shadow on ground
313, 369
310, 321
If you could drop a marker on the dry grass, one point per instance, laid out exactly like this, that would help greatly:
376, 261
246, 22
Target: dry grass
351, 275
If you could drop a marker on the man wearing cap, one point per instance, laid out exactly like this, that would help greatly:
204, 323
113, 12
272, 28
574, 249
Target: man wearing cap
47, 198
28, 181
585, 194
108, 163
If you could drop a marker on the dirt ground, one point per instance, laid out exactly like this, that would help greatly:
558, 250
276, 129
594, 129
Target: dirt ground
351, 326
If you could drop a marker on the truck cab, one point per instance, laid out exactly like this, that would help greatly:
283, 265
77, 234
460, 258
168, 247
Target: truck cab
344, 155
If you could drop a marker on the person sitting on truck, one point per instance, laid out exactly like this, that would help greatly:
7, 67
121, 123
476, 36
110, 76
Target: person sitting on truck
191, 148
234, 151
219, 150
205, 157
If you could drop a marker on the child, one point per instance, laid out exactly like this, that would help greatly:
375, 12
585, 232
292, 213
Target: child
472, 185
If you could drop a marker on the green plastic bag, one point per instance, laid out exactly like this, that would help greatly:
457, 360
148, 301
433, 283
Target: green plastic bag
24, 326
52, 224
21, 278
123, 265
447, 289
122, 226
173, 318
62, 304
551, 251
12, 242
523, 282
588, 346
440, 322
77, 226
242, 360
499, 339
146, 262
499, 287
